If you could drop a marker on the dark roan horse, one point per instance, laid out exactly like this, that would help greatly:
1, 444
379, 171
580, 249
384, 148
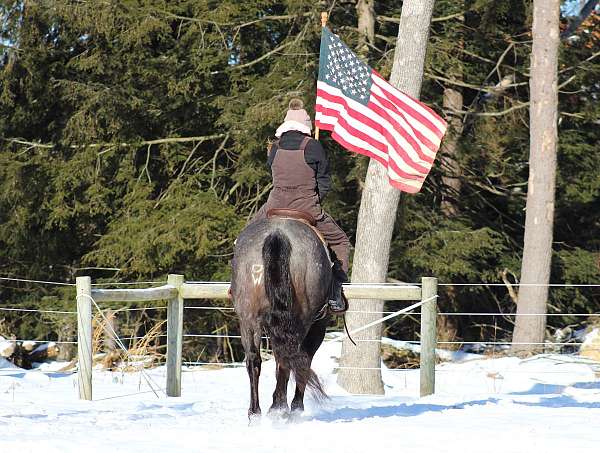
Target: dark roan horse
280, 283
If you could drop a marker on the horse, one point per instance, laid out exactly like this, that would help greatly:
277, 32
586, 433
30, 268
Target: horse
281, 278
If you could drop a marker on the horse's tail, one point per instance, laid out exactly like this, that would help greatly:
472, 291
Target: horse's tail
285, 328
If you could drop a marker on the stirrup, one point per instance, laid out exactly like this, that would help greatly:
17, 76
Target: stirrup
338, 307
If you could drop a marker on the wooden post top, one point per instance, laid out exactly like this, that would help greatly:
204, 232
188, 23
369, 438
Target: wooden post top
323, 19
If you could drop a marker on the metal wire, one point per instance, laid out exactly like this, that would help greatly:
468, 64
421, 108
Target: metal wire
130, 283
143, 373
118, 310
224, 364
558, 343
443, 370
40, 341
192, 335
9, 371
36, 281
515, 314
38, 311
129, 394
552, 285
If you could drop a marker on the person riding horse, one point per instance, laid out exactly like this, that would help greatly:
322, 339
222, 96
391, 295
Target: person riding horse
301, 180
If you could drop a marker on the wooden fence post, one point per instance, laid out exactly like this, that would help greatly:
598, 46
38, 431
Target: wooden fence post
84, 336
174, 337
428, 334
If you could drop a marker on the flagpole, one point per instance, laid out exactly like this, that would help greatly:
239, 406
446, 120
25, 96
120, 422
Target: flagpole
323, 24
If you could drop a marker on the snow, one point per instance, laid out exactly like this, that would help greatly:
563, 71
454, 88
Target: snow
548, 403
591, 337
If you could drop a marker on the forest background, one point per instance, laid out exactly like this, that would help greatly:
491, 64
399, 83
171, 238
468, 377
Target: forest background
133, 139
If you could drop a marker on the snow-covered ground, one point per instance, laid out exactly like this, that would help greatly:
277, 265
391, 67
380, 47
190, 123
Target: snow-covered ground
544, 404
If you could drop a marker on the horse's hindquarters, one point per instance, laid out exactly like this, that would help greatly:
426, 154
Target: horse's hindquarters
281, 278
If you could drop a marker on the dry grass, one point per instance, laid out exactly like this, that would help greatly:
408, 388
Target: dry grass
144, 352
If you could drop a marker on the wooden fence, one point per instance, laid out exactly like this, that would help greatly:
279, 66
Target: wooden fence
176, 290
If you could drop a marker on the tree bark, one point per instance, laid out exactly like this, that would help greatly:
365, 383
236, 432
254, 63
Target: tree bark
539, 217
360, 365
366, 26
451, 172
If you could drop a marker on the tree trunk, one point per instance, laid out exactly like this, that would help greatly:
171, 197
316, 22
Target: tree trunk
539, 217
366, 26
377, 215
453, 100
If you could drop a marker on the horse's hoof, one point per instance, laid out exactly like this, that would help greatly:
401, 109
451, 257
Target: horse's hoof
295, 416
297, 408
254, 419
279, 412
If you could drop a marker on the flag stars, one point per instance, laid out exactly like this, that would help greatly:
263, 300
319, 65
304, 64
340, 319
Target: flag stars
343, 70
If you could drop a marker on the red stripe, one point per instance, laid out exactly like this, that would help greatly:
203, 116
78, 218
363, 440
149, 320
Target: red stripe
422, 104
373, 125
411, 111
352, 112
411, 141
387, 104
382, 83
397, 184
403, 187
337, 137
352, 130
387, 163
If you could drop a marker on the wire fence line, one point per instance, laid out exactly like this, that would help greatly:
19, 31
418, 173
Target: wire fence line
552, 285
406, 311
448, 313
129, 283
44, 282
492, 374
18, 340
34, 310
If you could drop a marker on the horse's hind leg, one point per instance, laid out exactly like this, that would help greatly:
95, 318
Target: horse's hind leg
251, 343
311, 343
280, 404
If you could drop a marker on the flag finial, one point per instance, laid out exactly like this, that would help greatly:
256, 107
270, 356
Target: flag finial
323, 18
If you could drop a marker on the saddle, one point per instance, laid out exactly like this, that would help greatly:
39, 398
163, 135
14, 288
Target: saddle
303, 217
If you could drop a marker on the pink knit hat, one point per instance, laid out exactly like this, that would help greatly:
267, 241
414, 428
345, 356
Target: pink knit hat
297, 113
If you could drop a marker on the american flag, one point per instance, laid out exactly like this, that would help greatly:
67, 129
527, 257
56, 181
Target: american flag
369, 116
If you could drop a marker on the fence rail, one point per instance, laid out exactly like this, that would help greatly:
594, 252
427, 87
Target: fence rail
176, 290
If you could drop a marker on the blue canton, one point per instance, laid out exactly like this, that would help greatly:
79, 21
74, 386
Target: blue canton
341, 68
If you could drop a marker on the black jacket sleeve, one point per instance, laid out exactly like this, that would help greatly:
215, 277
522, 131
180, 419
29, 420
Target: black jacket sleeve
272, 153
315, 157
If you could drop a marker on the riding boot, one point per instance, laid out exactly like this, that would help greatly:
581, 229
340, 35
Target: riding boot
337, 302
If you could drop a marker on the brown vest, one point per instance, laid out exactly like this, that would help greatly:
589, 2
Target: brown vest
294, 183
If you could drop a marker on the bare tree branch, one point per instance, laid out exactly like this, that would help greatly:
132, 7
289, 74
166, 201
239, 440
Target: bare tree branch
490, 90
503, 112
159, 141
268, 54
396, 20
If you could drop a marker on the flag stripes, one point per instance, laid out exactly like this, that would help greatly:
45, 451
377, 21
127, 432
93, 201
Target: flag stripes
369, 116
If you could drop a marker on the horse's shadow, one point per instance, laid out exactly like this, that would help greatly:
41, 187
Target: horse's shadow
399, 410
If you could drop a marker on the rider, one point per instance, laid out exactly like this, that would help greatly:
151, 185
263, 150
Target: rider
301, 180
